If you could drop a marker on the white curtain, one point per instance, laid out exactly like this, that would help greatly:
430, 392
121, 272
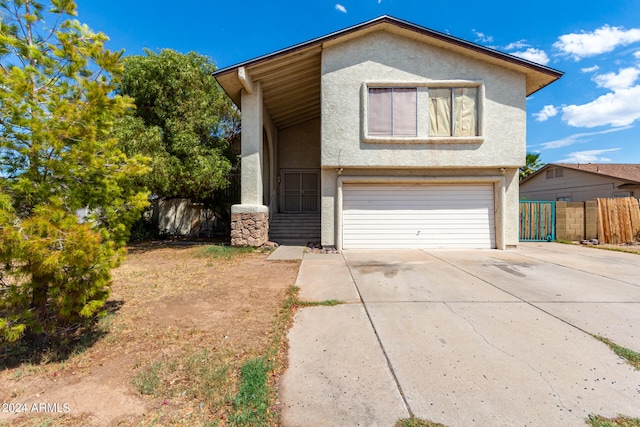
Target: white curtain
465, 113
440, 112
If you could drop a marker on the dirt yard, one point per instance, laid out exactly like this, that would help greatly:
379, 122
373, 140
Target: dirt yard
166, 302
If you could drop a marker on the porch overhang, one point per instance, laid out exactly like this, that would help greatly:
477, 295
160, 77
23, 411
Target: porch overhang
290, 84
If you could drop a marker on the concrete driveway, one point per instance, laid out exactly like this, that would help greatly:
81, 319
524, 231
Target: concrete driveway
465, 337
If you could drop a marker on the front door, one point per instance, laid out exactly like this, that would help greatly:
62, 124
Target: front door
300, 191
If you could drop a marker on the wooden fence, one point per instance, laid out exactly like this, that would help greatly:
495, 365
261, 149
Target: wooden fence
618, 220
537, 221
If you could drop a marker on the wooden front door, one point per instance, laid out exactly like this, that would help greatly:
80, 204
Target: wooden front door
300, 191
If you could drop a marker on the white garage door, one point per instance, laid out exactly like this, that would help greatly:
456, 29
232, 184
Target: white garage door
418, 216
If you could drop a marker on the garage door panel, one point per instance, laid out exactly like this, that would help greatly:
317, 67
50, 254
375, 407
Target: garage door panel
406, 224
435, 208
411, 231
418, 216
368, 197
393, 214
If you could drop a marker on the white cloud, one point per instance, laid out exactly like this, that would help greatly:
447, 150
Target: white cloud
590, 69
534, 55
604, 39
546, 112
587, 156
578, 138
520, 44
482, 37
637, 54
341, 8
618, 108
625, 78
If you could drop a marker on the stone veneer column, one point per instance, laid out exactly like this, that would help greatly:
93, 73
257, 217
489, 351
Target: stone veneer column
250, 219
249, 225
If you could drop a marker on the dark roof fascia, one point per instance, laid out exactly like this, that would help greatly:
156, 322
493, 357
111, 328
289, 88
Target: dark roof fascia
402, 24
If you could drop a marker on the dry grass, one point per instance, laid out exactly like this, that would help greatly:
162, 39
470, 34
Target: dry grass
186, 321
621, 421
631, 249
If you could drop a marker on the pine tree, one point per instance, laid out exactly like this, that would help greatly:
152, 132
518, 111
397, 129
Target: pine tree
66, 202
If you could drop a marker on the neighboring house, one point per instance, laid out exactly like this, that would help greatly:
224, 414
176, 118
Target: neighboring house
582, 182
394, 135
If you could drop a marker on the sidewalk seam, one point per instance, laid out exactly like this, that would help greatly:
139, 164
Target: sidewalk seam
384, 352
531, 304
530, 256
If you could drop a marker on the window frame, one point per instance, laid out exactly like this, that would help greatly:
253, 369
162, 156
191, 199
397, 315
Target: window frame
422, 111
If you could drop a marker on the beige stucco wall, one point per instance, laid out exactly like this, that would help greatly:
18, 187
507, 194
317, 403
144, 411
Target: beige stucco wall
251, 152
299, 146
579, 186
258, 182
512, 205
384, 58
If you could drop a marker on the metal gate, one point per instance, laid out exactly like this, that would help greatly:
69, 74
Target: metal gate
537, 221
301, 191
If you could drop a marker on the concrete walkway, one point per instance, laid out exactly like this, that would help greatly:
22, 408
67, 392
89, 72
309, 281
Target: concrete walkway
464, 338
287, 253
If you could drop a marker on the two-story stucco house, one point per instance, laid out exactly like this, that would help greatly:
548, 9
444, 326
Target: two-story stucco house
395, 135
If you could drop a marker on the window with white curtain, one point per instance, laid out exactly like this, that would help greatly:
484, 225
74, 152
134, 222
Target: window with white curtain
453, 111
392, 111
422, 112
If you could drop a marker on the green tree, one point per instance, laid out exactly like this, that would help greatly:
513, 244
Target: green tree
532, 164
57, 158
183, 120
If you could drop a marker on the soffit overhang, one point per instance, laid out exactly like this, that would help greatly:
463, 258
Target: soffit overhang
290, 78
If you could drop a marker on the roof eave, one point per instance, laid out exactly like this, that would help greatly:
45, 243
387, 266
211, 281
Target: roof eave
227, 74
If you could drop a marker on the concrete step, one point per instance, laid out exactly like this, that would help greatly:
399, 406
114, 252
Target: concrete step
295, 229
285, 226
296, 242
295, 219
294, 224
294, 233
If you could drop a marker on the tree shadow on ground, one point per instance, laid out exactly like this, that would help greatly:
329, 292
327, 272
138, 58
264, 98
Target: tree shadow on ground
42, 349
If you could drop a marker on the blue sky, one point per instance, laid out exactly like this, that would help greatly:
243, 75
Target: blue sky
592, 114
